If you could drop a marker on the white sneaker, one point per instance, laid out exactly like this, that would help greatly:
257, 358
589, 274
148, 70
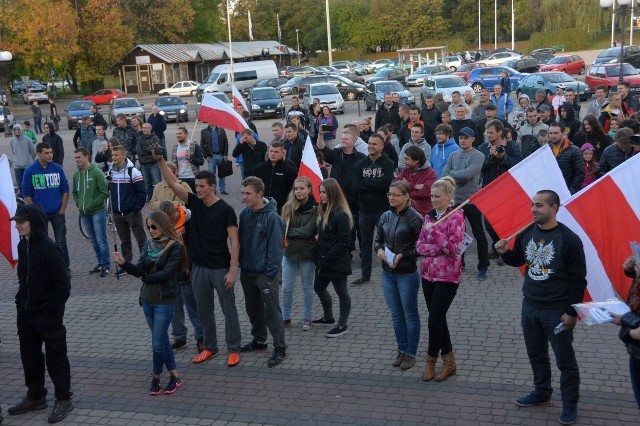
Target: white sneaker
306, 324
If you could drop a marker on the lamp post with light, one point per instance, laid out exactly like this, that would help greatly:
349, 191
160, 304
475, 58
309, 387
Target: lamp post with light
5, 60
298, 42
622, 6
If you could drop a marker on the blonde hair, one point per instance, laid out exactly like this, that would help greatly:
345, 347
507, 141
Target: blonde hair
446, 184
335, 199
292, 204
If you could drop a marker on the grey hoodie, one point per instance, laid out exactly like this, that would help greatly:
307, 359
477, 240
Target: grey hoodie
261, 240
24, 151
465, 167
422, 144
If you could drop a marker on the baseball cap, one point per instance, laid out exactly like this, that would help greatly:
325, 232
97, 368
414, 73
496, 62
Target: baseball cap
623, 135
468, 132
21, 215
491, 107
544, 108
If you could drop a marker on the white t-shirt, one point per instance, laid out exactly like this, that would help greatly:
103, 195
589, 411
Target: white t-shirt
184, 165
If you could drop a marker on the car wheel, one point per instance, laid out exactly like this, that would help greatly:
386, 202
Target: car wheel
477, 87
452, 68
351, 96
582, 71
193, 93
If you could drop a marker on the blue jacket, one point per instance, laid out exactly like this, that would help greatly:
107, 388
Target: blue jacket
128, 193
440, 154
504, 105
261, 240
45, 186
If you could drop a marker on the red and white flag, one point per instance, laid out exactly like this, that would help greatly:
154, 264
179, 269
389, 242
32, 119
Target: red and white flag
9, 237
218, 113
506, 202
606, 217
310, 168
237, 98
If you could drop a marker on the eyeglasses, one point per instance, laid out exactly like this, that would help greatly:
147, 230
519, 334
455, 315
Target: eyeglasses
152, 227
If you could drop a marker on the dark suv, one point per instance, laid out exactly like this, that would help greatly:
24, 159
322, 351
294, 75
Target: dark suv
347, 88
630, 55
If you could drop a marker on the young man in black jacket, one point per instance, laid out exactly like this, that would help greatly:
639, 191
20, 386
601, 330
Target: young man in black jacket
373, 177
44, 288
215, 147
253, 152
278, 175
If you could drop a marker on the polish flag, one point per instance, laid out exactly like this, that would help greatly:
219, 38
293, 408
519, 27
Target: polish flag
310, 168
237, 98
506, 202
9, 237
218, 113
606, 217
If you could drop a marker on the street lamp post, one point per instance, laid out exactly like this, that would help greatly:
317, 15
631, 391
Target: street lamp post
298, 42
5, 59
329, 33
622, 6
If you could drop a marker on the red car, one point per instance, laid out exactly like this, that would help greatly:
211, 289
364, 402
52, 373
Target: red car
465, 69
607, 75
570, 64
105, 96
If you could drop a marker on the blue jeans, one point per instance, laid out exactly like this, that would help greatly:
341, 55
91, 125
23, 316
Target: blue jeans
290, 270
96, 228
159, 317
634, 373
537, 329
401, 293
59, 226
152, 176
19, 176
213, 167
37, 124
185, 298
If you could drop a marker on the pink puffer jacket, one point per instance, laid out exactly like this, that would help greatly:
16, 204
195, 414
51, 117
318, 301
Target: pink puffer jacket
439, 248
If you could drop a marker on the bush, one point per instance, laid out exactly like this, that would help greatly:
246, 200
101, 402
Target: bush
340, 55
571, 38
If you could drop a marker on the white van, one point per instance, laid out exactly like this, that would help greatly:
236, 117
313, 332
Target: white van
245, 74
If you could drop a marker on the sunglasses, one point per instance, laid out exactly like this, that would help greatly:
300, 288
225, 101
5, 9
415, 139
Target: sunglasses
152, 227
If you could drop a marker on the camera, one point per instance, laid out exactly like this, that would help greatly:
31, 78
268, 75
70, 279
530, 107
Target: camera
500, 149
159, 151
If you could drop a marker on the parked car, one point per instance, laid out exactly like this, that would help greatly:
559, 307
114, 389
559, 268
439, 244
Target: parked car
380, 63
105, 96
127, 106
284, 71
487, 77
350, 76
367, 65
374, 95
267, 82
19, 86
76, 110
181, 88
396, 74
543, 55
418, 76
527, 65
265, 102
453, 62
328, 94
465, 69
302, 71
499, 57
32, 94
290, 87
344, 67
445, 84
4, 110
607, 75
349, 90
549, 81
571, 64
173, 108
630, 54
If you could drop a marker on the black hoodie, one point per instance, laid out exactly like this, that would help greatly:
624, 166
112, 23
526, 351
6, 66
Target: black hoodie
571, 123
44, 284
57, 146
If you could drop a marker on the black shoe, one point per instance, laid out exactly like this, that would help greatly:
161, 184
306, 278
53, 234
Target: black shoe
96, 270
155, 386
360, 281
27, 404
173, 385
277, 357
323, 321
224, 193
60, 410
534, 398
177, 344
104, 272
254, 346
337, 331
120, 273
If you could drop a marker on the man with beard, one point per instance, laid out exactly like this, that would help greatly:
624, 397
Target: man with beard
568, 156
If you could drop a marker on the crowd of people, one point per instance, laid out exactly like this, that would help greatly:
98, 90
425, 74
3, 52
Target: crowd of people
398, 188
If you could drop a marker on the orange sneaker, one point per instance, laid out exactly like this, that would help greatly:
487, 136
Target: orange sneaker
203, 356
233, 359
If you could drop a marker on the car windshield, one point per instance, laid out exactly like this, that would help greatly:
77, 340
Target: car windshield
126, 103
447, 83
79, 106
169, 100
295, 80
559, 77
612, 51
510, 63
423, 70
325, 89
382, 73
557, 60
259, 95
627, 69
212, 77
392, 86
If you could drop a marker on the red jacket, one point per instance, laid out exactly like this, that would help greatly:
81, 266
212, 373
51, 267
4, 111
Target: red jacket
420, 198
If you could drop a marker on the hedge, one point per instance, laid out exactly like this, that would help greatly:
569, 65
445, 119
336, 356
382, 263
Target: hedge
572, 39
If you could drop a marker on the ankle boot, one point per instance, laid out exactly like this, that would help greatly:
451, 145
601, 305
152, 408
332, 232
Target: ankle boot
429, 368
448, 368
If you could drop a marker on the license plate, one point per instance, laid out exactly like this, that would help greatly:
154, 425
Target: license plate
269, 110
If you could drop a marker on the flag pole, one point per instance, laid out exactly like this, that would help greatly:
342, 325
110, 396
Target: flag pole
193, 132
443, 218
515, 234
230, 48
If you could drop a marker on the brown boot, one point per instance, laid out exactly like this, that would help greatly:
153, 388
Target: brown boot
448, 368
429, 368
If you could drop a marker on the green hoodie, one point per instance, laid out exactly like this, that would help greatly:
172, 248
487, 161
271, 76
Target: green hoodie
90, 190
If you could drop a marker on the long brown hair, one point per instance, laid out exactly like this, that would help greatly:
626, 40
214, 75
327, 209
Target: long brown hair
335, 199
166, 227
293, 204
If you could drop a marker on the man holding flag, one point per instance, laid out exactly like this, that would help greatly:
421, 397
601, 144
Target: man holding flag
554, 279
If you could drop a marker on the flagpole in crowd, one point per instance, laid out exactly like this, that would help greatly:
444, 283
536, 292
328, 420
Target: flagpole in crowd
230, 47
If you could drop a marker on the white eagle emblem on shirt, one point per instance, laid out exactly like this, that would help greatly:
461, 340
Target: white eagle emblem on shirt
538, 257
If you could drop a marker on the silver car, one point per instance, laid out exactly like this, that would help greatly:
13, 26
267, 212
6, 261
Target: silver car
4, 110
328, 94
127, 106
445, 84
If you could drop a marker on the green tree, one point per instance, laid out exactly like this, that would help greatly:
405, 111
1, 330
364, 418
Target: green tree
152, 21
207, 25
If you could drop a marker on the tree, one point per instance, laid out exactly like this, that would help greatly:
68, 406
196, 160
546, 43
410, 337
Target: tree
207, 26
152, 21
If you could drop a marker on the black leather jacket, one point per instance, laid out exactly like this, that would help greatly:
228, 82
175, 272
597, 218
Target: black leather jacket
399, 233
165, 273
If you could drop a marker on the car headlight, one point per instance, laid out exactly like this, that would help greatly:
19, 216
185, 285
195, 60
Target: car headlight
255, 106
162, 112
182, 111
410, 97
360, 89
281, 105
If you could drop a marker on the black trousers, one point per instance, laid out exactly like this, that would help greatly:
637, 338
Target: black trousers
33, 331
474, 216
